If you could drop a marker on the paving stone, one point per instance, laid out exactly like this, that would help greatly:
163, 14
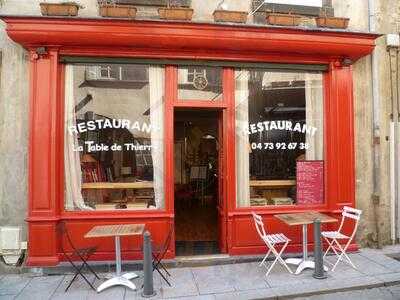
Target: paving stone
13, 284
234, 281
249, 294
395, 291
248, 276
391, 249
300, 288
40, 288
342, 270
130, 294
78, 290
210, 281
76, 295
279, 276
200, 297
389, 279
79, 283
367, 294
182, 282
114, 293
366, 266
381, 259
356, 282
373, 294
7, 297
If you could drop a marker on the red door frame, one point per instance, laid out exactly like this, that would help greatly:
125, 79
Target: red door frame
136, 39
224, 106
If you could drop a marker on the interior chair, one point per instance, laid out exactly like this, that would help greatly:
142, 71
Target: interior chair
333, 237
75, 256
271, 241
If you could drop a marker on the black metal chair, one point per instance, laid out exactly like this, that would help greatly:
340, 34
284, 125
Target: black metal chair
158, 254
77, 254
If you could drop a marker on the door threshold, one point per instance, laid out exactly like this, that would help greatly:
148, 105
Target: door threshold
202, 260
201, 257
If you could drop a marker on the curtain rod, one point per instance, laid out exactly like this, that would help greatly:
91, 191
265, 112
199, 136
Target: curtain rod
81, 60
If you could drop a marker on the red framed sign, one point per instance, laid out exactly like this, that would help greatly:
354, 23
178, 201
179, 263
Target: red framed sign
310, 182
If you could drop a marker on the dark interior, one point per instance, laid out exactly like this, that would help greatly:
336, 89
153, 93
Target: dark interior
196, 182
279, 101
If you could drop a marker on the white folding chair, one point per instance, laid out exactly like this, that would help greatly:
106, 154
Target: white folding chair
333, 237
270, 241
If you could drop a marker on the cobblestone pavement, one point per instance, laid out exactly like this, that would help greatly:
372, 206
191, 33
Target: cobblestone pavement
383, 293
377, 277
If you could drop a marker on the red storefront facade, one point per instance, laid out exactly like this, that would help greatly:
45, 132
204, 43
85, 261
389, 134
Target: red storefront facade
48, 40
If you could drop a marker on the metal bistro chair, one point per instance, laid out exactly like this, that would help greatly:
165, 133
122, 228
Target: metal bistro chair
159, 254
333, 237
81, 254
270, 241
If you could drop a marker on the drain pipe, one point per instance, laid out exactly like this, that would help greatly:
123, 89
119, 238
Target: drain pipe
375, 125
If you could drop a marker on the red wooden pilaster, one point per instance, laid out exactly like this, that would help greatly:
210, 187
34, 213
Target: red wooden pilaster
170, 96
44, 184
339, 135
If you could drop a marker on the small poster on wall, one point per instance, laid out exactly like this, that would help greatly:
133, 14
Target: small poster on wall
310, 182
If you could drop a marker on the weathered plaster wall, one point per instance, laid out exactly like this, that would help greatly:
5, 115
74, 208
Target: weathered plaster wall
13, 132
387, 16
388, 19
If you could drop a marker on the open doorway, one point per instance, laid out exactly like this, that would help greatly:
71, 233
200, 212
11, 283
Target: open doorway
196, 153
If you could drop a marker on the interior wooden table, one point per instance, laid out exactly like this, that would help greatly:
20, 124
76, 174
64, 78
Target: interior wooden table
117, 231
118, 185
304, 219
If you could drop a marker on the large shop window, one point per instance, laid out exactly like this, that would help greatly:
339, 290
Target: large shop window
279, 138
114, 138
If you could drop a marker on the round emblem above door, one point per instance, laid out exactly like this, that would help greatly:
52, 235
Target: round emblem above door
200, 82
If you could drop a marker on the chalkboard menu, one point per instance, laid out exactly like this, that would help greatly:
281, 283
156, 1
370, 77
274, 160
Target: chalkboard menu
310, 182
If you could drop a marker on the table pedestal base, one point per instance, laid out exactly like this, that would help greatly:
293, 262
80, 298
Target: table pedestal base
302, 264
119, 280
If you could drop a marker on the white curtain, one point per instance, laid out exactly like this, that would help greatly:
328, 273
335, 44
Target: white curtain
242, 138
314, 115
156, 85
72, 163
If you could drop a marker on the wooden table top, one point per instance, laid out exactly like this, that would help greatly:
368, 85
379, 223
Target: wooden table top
115, 230
304, 218
272, 183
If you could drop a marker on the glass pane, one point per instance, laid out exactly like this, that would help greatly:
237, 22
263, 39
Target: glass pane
114, 137
279, 138
200, 83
